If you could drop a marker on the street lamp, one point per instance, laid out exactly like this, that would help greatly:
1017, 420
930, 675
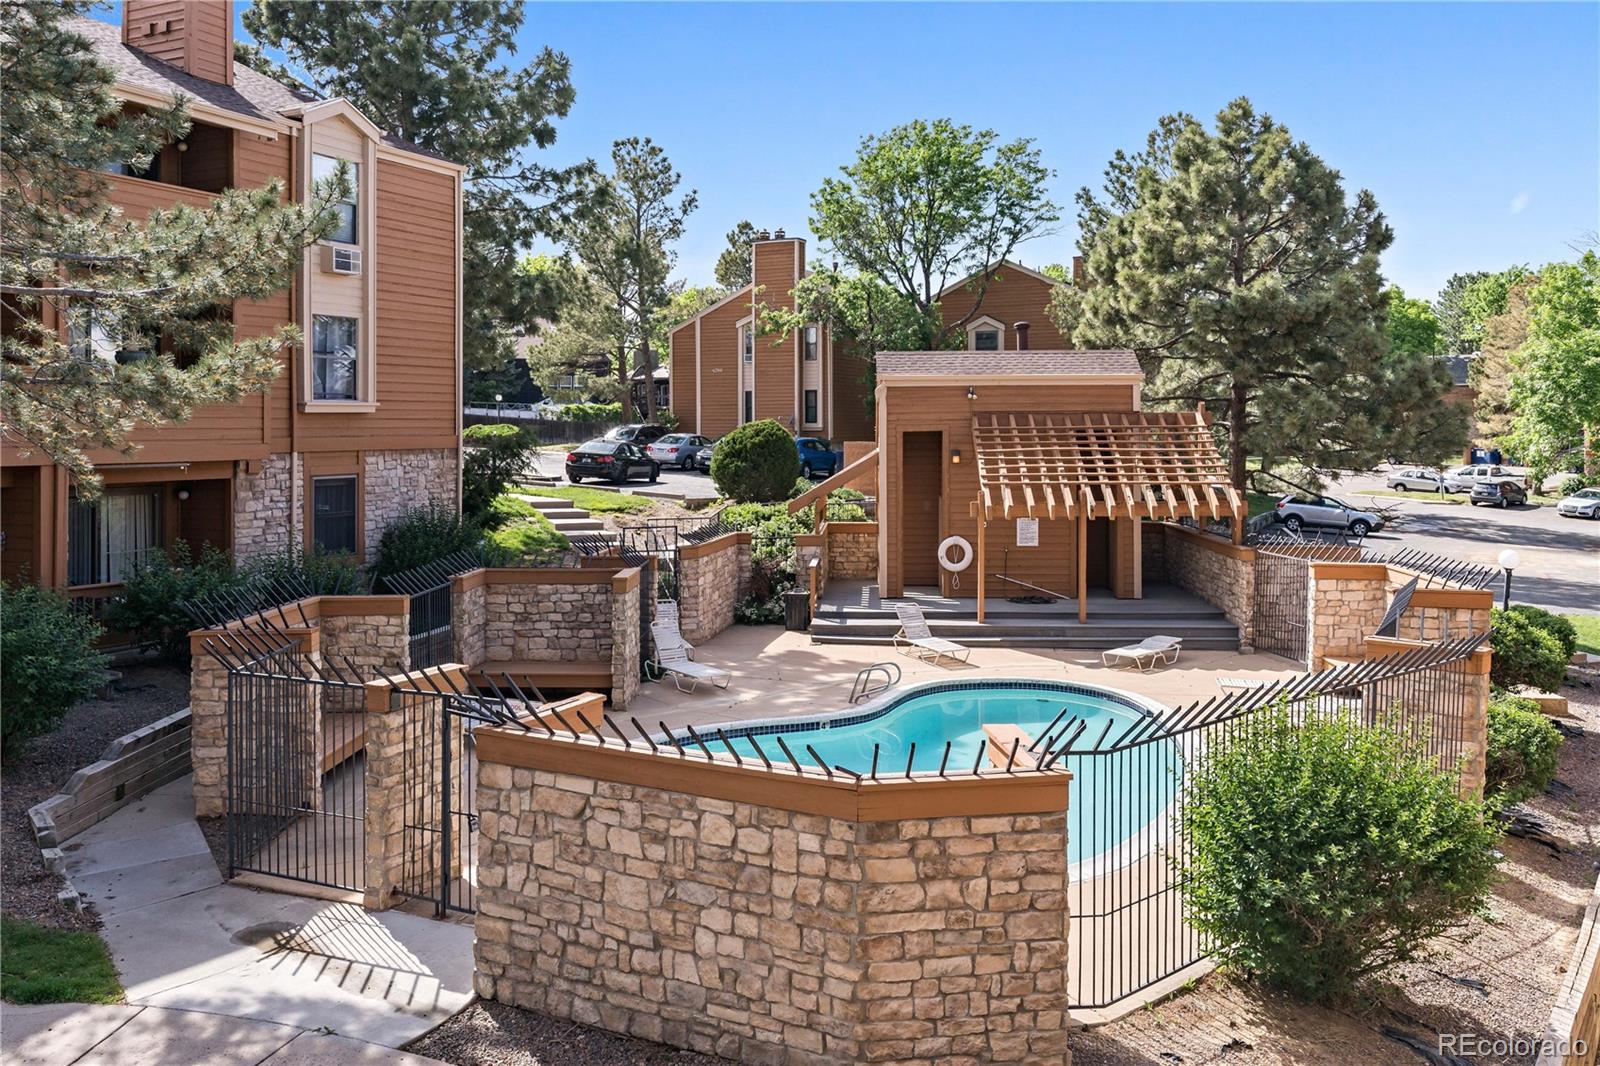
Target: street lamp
1508, 562
499, 413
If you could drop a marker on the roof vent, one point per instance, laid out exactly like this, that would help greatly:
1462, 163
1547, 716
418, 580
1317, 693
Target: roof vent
777, 234
763, 235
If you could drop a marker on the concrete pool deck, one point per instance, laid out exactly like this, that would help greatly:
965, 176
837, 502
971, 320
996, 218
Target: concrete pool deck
777, 673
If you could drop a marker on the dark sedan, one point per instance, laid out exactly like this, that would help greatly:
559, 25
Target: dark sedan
1504, 493
611, 460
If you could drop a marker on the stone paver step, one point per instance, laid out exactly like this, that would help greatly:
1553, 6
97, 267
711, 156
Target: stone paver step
577, 525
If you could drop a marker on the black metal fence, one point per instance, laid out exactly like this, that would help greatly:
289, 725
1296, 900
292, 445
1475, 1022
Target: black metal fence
431, 638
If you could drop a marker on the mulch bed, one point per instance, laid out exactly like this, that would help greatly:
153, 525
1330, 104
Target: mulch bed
493, 1034
144, 693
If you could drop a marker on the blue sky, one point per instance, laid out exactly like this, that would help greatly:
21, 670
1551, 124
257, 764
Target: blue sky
1477, 126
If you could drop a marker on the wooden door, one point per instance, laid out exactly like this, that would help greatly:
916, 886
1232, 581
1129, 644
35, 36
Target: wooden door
919, 508
1097, 554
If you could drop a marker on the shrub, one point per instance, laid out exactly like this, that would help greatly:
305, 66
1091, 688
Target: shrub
760, 610
1571, 484
497, 456
47, 661
318, 572
1525, 653
419, 537
150, 609
592, 412
668, 419
1565, 633
1326, 852
1523, 745
756, 462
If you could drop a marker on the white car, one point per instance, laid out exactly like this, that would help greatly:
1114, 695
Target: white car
1462, 478
1416, 477
1585, 503
676, 449
1299, 509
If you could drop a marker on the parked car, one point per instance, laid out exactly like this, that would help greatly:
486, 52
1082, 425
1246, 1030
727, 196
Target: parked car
616, 461
816, 457
1462, 478
1416, 477
1585, 503
640, 433
1504, 492
676, 449
1299, 509
701, 459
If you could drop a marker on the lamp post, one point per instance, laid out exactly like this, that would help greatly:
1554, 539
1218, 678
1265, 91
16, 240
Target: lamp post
1508, 562
499, 412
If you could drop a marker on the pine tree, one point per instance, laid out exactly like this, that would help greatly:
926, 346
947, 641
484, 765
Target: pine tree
1236, 267
149, 337
432, 72
735, 269
1490, 374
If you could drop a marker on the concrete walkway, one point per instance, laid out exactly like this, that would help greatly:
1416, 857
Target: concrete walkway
184, 941
81, 1034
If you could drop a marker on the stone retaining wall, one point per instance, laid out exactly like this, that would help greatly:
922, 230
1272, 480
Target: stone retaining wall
852, 929
268, 515
712, 578
852, 550
1153, 553
1575, 1019
1219, 572
395, 482
547, 622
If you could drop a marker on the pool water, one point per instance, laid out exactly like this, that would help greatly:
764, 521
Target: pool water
958, 712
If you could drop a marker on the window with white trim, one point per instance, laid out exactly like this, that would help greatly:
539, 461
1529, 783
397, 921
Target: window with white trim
324, 167
747, 343
811, 407
986, 340
813, 343
334, 374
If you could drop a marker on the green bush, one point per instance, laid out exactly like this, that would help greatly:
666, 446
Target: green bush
1523, 745
760, 610
1525, 653
1571, 484
591, 412
495, 457
756, 463
668, 419
1564, 632
320, 573
150, 608
1326, 852
419, 537
47, 661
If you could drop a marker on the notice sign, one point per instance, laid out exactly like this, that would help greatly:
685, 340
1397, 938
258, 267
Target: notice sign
1027, 532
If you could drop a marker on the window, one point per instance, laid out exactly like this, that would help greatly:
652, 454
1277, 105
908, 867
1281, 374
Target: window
333, 513
811, 407
747, 343
324, 167
986, 340
333, 358
108, 537
749, 405
812, 343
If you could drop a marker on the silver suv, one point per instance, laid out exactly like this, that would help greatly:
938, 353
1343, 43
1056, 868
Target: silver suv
1302, 509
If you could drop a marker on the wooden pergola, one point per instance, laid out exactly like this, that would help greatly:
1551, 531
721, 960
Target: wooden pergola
1111, 464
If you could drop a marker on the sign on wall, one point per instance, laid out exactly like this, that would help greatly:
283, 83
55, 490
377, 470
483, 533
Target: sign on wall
1027, 532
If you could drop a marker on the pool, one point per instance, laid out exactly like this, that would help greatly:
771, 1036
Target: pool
915, 724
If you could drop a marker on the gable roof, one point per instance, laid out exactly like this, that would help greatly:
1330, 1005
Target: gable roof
1114, 362
253, 96
1018, 267
732, 296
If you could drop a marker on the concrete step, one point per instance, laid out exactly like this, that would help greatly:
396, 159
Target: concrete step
549, 503
577, 525
554, 513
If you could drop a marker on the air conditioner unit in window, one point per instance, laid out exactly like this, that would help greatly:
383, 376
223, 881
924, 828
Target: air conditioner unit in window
337, 259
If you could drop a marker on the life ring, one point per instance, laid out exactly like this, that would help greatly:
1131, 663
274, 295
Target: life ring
961, 545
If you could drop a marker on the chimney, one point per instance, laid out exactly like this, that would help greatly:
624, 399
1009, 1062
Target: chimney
763, 235
777, 234
196, 36
1077, 270
1022, 336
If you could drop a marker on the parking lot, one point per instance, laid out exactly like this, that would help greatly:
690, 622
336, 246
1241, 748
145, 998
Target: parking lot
1560, 557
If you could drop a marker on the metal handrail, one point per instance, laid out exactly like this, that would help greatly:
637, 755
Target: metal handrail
859, 691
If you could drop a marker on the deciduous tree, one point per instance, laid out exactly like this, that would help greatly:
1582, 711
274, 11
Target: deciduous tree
1412, 325
1237, 267
447, 77
1555, 387
147, 336
1490, 373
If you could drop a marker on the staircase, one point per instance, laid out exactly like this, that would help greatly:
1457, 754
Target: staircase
569, 519
855, 616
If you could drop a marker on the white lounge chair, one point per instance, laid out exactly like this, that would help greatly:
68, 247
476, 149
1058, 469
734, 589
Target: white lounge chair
915, 635
1242, 684
668, 634
673, 657
1146, 653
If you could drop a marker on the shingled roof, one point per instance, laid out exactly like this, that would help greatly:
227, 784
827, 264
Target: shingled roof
252, 94
1114, 362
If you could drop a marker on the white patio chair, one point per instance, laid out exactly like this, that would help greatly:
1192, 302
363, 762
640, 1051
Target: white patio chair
1241, 684
1146, 654
673, 658
915, 635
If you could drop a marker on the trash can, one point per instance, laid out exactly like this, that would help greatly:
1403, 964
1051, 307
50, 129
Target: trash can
796, 610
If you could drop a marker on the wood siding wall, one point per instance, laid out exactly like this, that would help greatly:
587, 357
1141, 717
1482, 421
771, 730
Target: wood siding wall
1013, 296
718, 411
946, 409
192, 35
778, 358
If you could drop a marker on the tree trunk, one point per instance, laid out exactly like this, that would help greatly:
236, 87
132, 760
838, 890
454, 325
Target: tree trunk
1591, 452
647, 359
625, 400
1236, 427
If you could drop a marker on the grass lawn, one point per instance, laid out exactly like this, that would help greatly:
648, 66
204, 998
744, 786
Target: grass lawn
42, 965
1588, 627
529, 538
1261, 502
595, 501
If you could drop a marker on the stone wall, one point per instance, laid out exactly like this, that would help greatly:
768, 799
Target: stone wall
1153, 553
1346, 604
1221, 573
394, 482
268, 508
467, 602
373, 642
852, 551
767, 934
712, 578
519, 622
625, 638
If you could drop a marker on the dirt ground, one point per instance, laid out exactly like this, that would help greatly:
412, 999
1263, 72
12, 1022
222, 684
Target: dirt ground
144, 693
492, 1034
1518, 957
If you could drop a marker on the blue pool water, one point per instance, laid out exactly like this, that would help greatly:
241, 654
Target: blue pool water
958, 712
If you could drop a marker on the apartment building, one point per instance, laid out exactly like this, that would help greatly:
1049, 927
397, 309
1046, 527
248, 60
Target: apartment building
363, 422
725, 373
